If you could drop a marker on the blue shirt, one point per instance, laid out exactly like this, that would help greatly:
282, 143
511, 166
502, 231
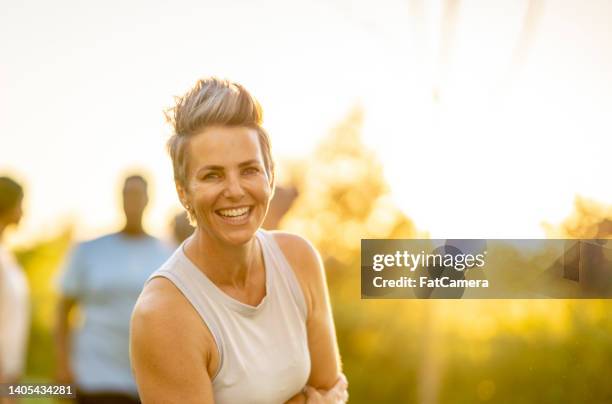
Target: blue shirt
106, 276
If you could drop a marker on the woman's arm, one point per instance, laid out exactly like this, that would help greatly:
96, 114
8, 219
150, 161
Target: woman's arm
337, 395
63, 371
325, 359
169, 349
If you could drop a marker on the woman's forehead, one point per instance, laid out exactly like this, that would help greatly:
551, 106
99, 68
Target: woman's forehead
225, 146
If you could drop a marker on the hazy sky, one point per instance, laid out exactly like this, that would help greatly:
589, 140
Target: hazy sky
493, 152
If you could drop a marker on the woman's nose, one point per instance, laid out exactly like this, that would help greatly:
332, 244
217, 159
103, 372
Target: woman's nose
233, 188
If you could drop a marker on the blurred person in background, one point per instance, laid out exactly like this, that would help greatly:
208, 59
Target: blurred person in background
604, 229
237, 314
279, 206
181, 228
14, 291
104, 277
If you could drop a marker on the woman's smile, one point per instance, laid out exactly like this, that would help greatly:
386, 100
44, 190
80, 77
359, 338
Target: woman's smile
235, 216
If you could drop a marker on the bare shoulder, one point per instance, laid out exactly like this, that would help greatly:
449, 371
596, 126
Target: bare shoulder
300, 253
158, 291
169, 345
162, 312
306, 263
294, 244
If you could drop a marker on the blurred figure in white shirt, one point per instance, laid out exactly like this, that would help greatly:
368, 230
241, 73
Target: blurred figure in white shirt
14, 290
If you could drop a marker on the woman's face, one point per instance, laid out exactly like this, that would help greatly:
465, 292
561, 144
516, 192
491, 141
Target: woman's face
227, 185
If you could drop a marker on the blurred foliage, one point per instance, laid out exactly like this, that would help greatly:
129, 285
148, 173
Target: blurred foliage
590, 219
458, 351
41, 263
342, 197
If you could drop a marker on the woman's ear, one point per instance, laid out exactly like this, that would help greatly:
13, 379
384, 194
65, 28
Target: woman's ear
184, 198
182, 194
272, 182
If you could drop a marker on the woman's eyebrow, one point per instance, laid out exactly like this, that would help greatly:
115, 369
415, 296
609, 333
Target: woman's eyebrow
248, 162
213, 167
210, 167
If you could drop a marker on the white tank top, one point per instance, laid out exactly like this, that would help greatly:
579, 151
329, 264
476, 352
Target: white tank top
263, 350
14, 316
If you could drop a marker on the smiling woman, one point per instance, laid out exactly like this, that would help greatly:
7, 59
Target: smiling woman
237, 314
231, 188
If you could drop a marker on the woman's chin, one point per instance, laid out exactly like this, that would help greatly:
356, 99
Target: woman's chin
238, 237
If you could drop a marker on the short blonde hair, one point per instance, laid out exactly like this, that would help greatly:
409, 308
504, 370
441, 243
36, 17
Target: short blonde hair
210, 102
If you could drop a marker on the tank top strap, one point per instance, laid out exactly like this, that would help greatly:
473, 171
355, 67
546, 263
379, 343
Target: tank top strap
280, 268
197, 291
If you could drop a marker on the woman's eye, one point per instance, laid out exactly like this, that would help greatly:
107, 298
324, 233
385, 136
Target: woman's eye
250, 170
211, 176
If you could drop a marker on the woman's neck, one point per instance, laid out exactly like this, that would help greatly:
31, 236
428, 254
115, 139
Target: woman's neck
222, 263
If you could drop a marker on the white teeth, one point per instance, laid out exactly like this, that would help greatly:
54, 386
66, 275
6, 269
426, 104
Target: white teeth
233, 212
